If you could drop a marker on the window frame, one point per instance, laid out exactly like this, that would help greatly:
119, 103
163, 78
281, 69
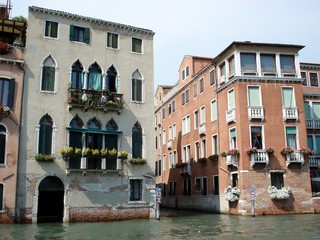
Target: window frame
261, 127
277, 177
213, 110
51, 34
74, 34
7, 92
55, 77
201, 87
4, 135
312, 79
132, 198
305, 81
232, 140
134, 48
111, 45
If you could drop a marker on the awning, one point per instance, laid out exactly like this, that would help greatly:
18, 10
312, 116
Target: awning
99, 131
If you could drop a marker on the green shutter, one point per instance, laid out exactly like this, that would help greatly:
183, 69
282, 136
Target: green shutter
318, 144
231, 99
232, 133
71, 32
316, 110
287, 97
254, 97
307, 110
11, 93
291, 130
310, 141
87, 35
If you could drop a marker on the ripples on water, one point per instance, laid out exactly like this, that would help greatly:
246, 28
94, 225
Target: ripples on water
183, 226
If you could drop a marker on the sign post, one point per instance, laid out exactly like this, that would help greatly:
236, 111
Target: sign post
253, 198
158, 201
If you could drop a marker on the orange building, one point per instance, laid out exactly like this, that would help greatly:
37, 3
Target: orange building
235, 134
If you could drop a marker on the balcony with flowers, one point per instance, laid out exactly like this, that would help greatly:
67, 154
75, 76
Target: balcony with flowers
231, 157
258, 156
104, 100
294, 155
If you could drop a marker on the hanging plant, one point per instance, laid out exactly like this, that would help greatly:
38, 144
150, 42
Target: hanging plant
232, 194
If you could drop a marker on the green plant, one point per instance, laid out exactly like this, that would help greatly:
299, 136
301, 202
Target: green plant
286, 150
44, 158
181, 165
78, 151
123, 154
104, 152
95, 152
232, 194
137, 161
275, 193
112, 152
214, 157
87, 152
223, 154
202, 160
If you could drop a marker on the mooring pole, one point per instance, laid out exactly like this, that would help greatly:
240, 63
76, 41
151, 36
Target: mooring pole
253, 198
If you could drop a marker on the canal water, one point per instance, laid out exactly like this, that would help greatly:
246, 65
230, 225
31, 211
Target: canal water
183, 225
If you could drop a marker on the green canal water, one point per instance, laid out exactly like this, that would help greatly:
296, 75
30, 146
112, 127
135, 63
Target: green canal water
183, 225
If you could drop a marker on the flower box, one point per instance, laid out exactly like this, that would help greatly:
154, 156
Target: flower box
232, 194
44, 158
275, 193
137, 161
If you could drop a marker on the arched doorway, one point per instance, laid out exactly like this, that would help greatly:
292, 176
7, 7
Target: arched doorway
50, 200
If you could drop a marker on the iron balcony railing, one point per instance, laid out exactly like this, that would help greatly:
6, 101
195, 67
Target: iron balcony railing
314, 161
313, 123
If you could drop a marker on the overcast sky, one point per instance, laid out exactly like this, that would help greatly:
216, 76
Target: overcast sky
201, 27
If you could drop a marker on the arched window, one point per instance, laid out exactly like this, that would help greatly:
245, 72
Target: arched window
45, 135
7, 92
137, 141
75, 140
48, 74
112, 125
111, 142
111, 79
3, 134
94, 141
136, 87
95, 77
77, 75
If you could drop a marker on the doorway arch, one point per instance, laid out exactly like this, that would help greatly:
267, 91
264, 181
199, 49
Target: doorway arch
50, 200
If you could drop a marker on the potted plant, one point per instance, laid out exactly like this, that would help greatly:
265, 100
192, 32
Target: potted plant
44, 158
233, 152
137, 161
202, 160
87, 152
307, 151
123, 155
4, 47
249, 150
275, 193
269, 150
112, 152
214, 157
181, 165
223, 154
95, 152
286, 151
232, 194
104, 153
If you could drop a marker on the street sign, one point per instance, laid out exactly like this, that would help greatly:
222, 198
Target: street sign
252, 194
158, 195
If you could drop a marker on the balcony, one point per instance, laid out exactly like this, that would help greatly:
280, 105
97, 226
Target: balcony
169, 144
202, 129
100, 100
314, 161
261, 156
231, 115
295, 157
232, 160
186, 169
313, 123
256, 113
222, 79
290, 113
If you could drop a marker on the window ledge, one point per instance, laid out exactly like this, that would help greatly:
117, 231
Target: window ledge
137, 202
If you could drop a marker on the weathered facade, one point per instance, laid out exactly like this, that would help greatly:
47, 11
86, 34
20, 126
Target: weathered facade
240, 133
89, 91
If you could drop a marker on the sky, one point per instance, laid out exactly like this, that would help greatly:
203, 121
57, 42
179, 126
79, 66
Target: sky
201, 27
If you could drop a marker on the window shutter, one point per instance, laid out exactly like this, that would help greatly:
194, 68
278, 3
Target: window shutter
71, 32
11, 93
87, 35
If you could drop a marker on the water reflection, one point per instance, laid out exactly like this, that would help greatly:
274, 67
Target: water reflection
183, 226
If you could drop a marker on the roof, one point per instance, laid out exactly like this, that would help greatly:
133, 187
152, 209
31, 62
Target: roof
252, 44
91, 20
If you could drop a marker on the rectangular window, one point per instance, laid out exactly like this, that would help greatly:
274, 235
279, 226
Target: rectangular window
174, 131
112, 40
212, 77
172, 188
185, 97
248, 63
195, 90
233, 138
277, 179
7, 87
254, 96
187, 187
203, 148
186, 125
234, 179
291, 137
163, 113
135, 189
256, 137
1, 196
164, 141
201, 85
51, 29
186, 153
202, 115
197, 184
268, 64
136, 45
231, 66
171, 160
173, 105
185, 73
215, 144
287, 64
204, 186
304, 77
231, 102
196, 119
169, 109
215, 185
79, 34
170, 133
164, 162
196, 151
223, 70
136, 90
288, 100
313, 79
214, 115
48, 77
315, 110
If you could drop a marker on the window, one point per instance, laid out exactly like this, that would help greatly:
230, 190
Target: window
203, 148
214, 114
170, 133
51, 29
197, 184
112, 40
231, 66
7, 92
45, 135
314, 143
202, 115
196, 119
256, 137
77, 75
277, 179
94, 141
185, 97
187, 187
95, 77
268, 64
75, 140
172, 188
185, 73
215, 185
173, 105
231, 101
163, 113
136, 45
195, 90
111, 79
287, 64
48, 74
196, 151
1, 197
136, 87
164, 162
3, 140
288, 100
137, 141
234, 179
174, 131
135, 189
223, 70
248, 63
315, 110
186, 153
212, 77
169, 108
215, 144
304, 77
291, 137
233, 138
254, 96
171, 164
314, 79
186, 125
174, 157
201, 85
164, 140
204, 186
79, 34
